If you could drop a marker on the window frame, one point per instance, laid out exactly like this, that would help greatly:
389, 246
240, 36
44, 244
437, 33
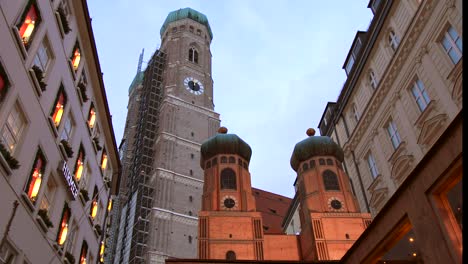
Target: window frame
32, 181
4, 81
393, 40
453, 44
193, 55
373, 80
419, 93
55, 111
330, 181
44, 47
22, 20
228, 181
372, 165
16, 137
392, 132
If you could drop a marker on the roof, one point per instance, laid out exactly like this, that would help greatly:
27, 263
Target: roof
137, 80
315, 146
273, 208
224, 144
186, 13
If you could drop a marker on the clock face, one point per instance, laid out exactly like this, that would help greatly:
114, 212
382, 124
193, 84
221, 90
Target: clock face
228, 202
193, 85
335, 204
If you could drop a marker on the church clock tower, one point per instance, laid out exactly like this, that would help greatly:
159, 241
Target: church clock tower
229, 225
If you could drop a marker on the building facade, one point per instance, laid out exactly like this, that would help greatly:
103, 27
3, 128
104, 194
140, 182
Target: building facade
404, 88
171, 112
59, 163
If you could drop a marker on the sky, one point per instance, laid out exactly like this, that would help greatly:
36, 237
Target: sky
275, 65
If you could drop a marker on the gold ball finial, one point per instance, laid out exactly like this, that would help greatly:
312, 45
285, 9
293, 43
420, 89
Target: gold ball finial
310, 132
222, 130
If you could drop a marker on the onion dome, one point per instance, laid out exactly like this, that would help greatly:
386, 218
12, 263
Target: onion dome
315, 146
186, 13
224, 143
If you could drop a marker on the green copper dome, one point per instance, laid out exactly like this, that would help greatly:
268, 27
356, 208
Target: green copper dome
315, 146
224, 144
137, 80
186, 13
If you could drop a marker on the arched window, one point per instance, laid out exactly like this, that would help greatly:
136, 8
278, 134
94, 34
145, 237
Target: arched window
193, 55
330, 181
230, 255
305, 166
228, 179
223, 159
393, 40
232, 160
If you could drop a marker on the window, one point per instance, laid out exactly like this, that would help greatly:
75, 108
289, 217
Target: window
350, 64
13, 128
43, 55
28, 23
91, 117
190, 239
104, 160
230, 255
193, 55
305, 166
393, 134
35, 177
215, 161
452, 44
312, 164
192, 156
208, 164
232, 160
93, 210
59, 106
375, 6
321, 161
372, 166
228, 179
420, 95
198, 32
4, 83
76, 57
7, 253
223, 159
67, 129
330, 162
83, 253
49, 194
63, 227
330, 181
79, 165
355, 113
393, 40
191, 29
72, 236
372, 80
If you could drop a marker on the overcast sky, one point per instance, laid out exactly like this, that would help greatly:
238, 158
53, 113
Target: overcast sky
276, 64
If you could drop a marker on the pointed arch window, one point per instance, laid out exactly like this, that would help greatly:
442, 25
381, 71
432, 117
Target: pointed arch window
35, 177
193, 55
330, 181
231, 255
228, 179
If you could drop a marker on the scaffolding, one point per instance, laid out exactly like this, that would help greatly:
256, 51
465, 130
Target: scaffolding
140, 196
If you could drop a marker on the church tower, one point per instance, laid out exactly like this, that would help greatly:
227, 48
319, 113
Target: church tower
329, 213
229, 225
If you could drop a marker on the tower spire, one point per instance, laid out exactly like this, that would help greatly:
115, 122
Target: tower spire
140, 60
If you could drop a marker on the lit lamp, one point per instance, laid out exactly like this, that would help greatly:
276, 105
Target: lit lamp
79, 170
101, 252
92, 118
63, 234
76, 59
109, 207
29, 30
94, 209
83, 261
35, 184
58, 114
104, 161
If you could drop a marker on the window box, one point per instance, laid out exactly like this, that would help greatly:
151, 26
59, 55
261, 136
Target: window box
69, 258
20, 41
27, 201
58, 248
37, 75
62, 21
98, 230
43, 219
52, 126
8, 161
67, 148
81, 87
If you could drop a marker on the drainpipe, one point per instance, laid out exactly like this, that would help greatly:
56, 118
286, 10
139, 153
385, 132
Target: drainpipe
357, 168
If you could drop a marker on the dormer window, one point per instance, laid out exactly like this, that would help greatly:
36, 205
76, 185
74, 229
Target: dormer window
30, 20
349, 65
354, 54
375, 6
193, 55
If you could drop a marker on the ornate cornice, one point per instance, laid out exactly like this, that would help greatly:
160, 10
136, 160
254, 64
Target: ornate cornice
173, 216
178, 140
179, 102
177, 177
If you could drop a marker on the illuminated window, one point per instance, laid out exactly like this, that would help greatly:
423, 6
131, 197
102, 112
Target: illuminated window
59, 106
372, 166
49, 194
393, 134
29, 21
35, 177
109, 205
420, 95
453, 46
79, 165
63, 227
228, 179
403, 248
92, 117
330, 181
193, 55
72, 234
94, 209
76, 57
13, 127
393, 40
101, 252
83, 253
43, 55
4, 83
